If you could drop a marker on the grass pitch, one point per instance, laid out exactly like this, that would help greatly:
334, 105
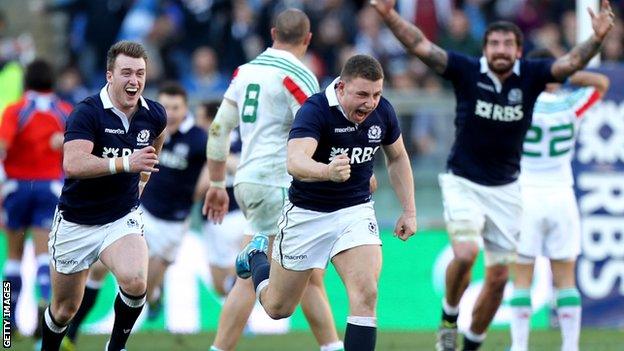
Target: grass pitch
543, 340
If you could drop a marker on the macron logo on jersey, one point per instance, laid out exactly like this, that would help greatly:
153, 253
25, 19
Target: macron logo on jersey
497, 112
344, 130
114, 131
356, 154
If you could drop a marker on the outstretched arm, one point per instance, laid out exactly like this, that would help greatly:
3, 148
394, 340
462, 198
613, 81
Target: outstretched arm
411, 37
580, 55
591, 79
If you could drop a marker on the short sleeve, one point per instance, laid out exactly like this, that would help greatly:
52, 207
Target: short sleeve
162, 117
458, 65
541, 72
583, 99
308, 122
393, 131
231, 93
81, 123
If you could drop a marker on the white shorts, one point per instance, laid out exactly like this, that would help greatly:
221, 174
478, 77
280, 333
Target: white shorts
224, 241
493, 212
163, 237
309, 239
262, 205
75, 247
551, 224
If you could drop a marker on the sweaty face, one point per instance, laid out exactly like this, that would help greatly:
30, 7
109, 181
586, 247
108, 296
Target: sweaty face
501, 51
126, 82
176, 109
359, 97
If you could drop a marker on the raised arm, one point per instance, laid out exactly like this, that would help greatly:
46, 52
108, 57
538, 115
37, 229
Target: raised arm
591, 79
580, 55
402, 181
411, 37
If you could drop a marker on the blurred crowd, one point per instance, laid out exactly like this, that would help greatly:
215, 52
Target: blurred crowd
200, 42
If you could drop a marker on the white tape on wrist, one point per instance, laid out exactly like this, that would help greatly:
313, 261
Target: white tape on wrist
126, 163
217, 184
111, 165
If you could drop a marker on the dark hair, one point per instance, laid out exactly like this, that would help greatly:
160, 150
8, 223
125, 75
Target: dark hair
291, 26
39, 76
210, 108
124, 47
504, 26
362, 66
540, 54
173, 88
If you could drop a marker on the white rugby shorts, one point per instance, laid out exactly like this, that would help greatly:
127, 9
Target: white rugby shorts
75, 247
493, 212
262, 205
163, 237
224, 241
551, 224
309, 239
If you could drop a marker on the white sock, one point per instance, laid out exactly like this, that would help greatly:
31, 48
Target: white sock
448, 309
214, 348
520, 319
569, 315
334, 346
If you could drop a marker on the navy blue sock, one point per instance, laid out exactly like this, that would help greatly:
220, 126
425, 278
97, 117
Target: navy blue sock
260, 267
127, 310
360, 338
43, 280
52, 332
88, 300
470, 345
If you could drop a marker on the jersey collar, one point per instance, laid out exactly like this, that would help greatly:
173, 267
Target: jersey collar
187, 124
107, 103
332, 98
497, 83
282, 53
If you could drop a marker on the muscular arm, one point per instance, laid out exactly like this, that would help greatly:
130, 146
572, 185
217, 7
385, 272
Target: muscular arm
300, 163
400, 172
78, 162
415, 41
576, 59
218, 146
580, 55
591, 79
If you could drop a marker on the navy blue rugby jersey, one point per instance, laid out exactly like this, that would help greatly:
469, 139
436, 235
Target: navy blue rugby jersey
492, 118
169, 193
105, 199
321, 118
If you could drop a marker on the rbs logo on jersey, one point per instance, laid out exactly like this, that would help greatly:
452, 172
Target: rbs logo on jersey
110, 152
497, 112
356, 154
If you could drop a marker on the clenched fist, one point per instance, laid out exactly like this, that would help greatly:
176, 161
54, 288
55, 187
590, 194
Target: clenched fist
339, 169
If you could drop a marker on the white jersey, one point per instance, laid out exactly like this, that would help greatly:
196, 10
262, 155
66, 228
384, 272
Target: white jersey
268, 92
549, 143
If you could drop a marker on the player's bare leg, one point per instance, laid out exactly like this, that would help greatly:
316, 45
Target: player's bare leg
223, 279
359, 269
568, 303
521, 304
458, 275
283, 294
97, 273
234, 314
67, 290
155, 275
487, 304
315, 306
127, 259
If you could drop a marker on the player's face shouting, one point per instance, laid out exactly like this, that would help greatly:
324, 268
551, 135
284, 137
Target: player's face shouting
359, 97
501, 51
126, 81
